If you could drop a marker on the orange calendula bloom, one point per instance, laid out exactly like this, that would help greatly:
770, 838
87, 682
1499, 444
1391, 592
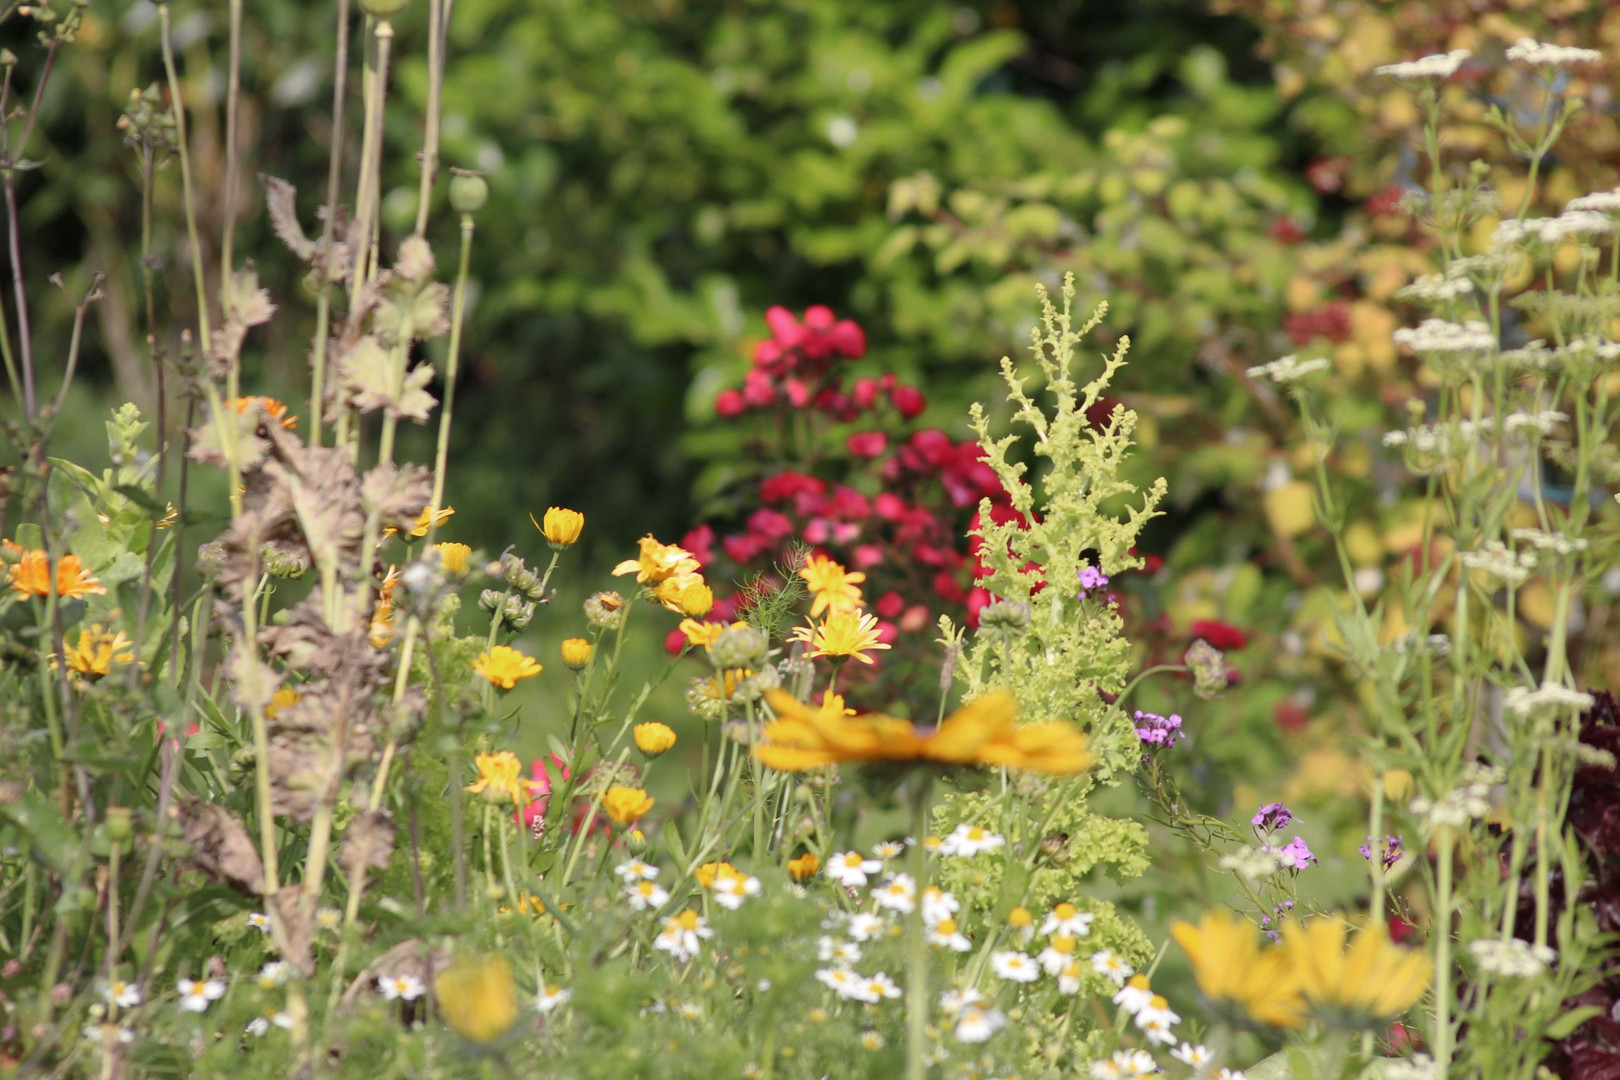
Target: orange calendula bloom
97, 651
834, 589
502, 774
576, 653
505, 666
276, 409
626, 805
420, 529
805, 866
842, 633
455, 557
477, 997
653, 738
560, 527
31, 575
982, 732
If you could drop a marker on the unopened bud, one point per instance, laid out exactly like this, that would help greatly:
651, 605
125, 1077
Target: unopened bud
468, 191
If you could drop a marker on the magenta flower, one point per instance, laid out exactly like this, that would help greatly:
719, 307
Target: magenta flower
1156, 730
1272, 817
534, 814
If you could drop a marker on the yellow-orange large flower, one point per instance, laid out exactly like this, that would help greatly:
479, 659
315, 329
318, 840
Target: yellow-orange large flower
501, 774
982, 732
97, 651
659, 562
841, 633
1236, 974
833, 588
31, 575
1360, 985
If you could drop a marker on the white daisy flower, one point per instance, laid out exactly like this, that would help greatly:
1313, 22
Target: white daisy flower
196, 995
1015, 966
1057, 955
954, 1001
552, 996
875, 989
1110, 966
122, 994
899, 893
865, 926
830, 948
1135, 1063
1067, 919
400, 987
970, 840
888, 849
328, 918
1196, 1056
683, 935
645, 895
852, 869
636, 870
938, 904
1155, 1019
1105, 1070
944, 933
260, 1025
1230, 1074
730, 890
1134, 994
259, 921
274, 974
1068, 978
976, 1024
840, 980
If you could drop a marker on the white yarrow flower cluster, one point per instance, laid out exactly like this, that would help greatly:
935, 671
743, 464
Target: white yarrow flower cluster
1599, 202
1543, 423
1414, 642
1252, 864
1541, 54
1468, 800
1436, 288
1549, 697
1551, 231
1288, 369
1513, 958
1442, 336
1500, 562
1550, 543
1438, 66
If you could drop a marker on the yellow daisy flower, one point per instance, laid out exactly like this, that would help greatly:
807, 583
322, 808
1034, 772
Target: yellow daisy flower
834, 589
502, 773
842, 633
505, 666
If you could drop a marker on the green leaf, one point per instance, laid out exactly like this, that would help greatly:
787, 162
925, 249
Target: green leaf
1565, 1025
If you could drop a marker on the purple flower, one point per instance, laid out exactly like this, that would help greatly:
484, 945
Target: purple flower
1272, 817
1091, 578
1390, 855
1296, 855
1156, 730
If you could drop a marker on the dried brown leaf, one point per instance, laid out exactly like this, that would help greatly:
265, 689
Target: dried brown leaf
220, 847
368, 842
281, 201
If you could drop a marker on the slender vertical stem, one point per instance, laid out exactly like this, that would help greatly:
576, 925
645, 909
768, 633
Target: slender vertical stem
25, 341
458, 306
233, 165
917, 943
334, 181
437, 22
1440, 1037
177, 109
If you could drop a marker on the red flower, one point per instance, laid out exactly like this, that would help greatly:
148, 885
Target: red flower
865, 393
909, 401
1223, 636
786, 485
729, 403
1286, 232
867, 444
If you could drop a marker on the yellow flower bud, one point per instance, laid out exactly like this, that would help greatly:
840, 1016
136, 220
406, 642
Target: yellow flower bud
654, 738
477, 997
696, 600
561, 527
454, 556
626, 805
576, 653
805, 866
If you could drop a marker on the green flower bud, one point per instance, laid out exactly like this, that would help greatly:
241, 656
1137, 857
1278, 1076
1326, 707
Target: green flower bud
468, 191
383, 9
739, 647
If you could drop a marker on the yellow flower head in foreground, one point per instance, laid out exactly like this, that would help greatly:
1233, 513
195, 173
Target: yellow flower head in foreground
654, 738
710, 872
1237, 975
285, 698
626, 805
982, 732
658, 563
31, 575
702, 634
454, 556
560, 527
97, 651
502, 774
689, 596
477, 997
576, 653
805, 866
420, 529
505, 666
276, 409
833, 587
1359, 986
842, 633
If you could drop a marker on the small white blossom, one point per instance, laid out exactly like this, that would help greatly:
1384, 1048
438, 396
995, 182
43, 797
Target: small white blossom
1252, 864
122, 994
1512, 958
1503, 565
938, 904
954, 1001
865, 926
1068, 978
830, 948
636, 870
1551, 543
1134, 995
945, 934
1544, 422
888, 849
683, 935
730, 890
1436, 288
196, 995
1057, 955
1195, 1056
1440, 336
1600, 202
1110, 966
645, 895
1065, 918
1541, 54
1439, 67
1155, 1019
552, 996
274, 974
899, 893
1014, 966
976, 1024
852, 869
401, 987
259, 921
970, 840
1525, 702
1288, 369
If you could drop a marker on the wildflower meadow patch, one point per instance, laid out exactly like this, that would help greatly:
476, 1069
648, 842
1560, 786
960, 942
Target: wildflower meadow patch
891, 763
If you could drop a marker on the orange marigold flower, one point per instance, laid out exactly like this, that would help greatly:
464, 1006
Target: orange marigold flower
276, 409
31, 575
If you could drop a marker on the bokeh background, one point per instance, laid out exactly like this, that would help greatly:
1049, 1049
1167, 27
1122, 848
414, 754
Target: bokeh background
1227, 174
